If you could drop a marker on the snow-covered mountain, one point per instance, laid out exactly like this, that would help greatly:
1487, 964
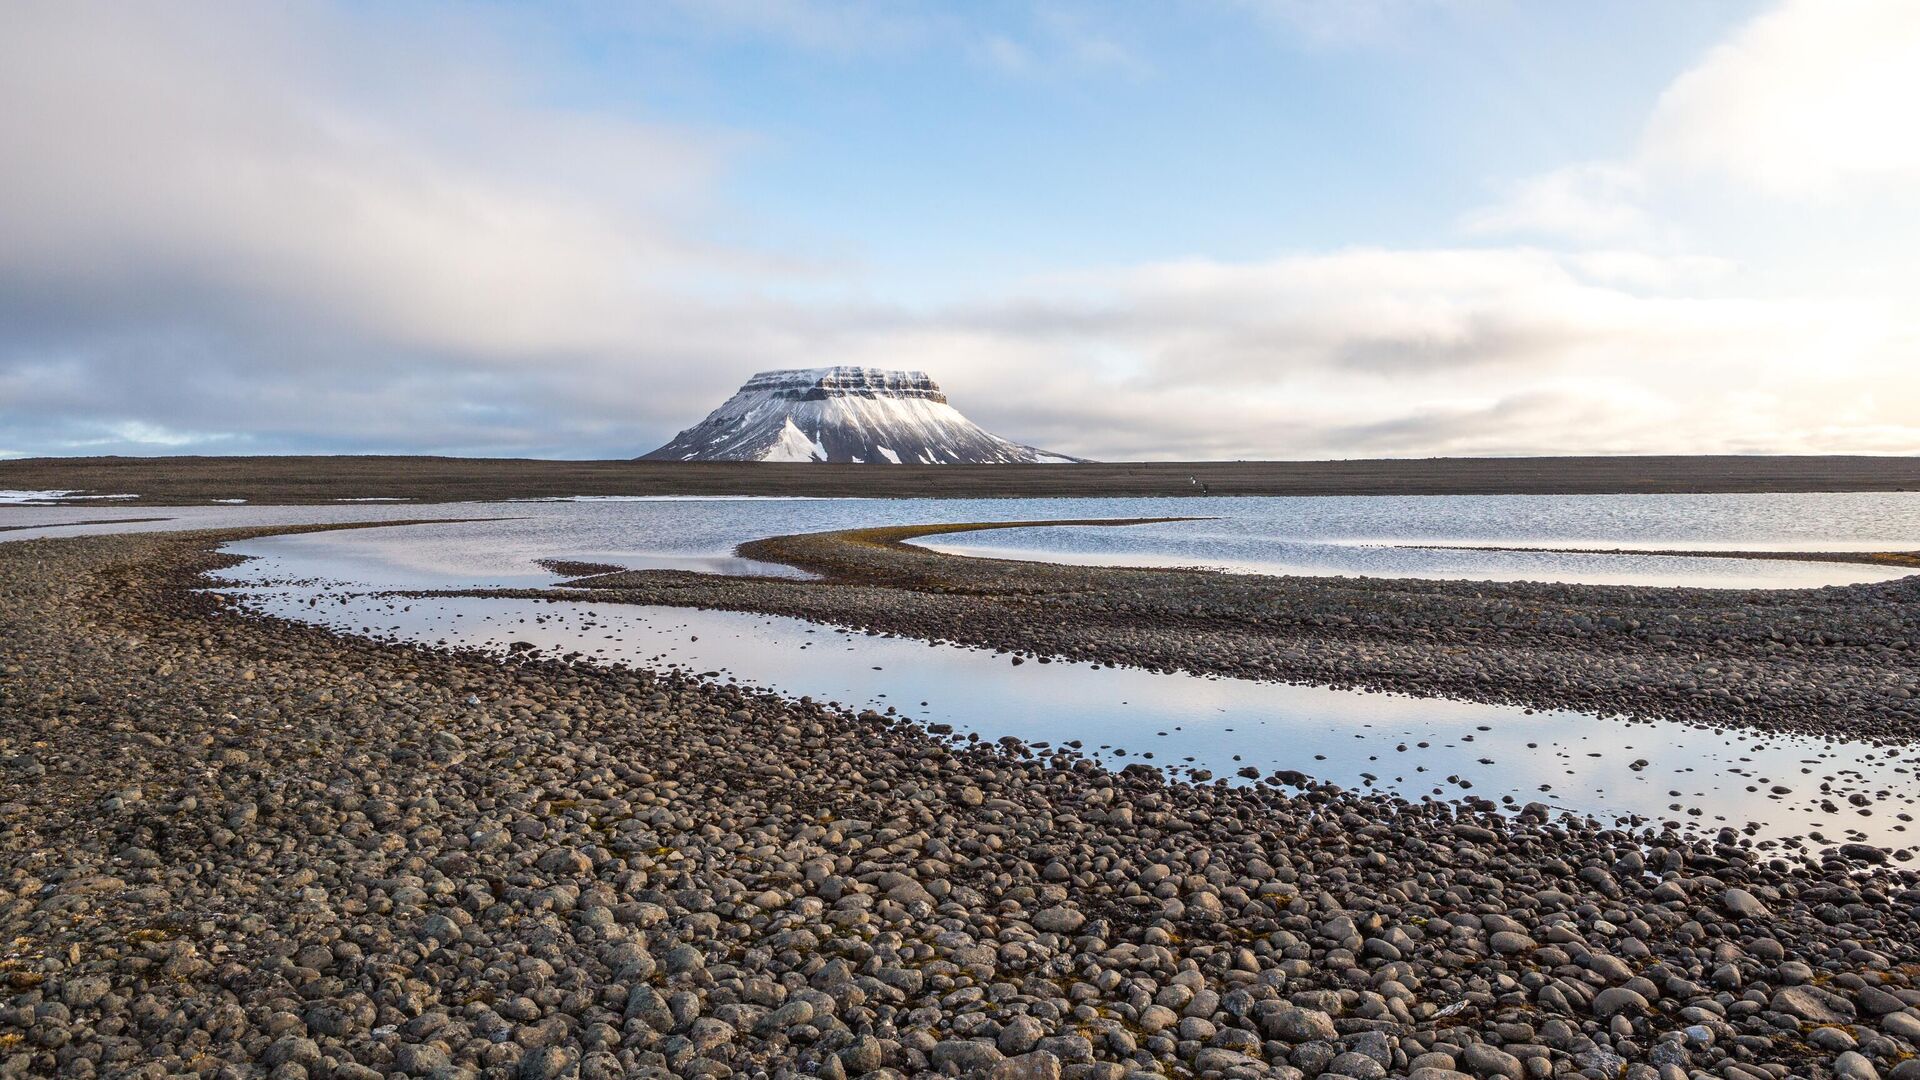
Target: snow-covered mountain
843, 414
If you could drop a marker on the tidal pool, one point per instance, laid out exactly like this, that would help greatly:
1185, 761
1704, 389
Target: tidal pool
1784, 787
1378, 536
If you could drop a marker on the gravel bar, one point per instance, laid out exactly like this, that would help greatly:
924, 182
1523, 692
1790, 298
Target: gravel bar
1836, 662
238, 847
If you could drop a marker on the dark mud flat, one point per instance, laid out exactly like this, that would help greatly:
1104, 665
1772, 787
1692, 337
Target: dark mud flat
232, 847
269, 480
1834, 661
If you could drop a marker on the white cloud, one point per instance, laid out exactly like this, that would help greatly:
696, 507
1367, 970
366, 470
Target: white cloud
839, 26
1055, 41
1806, 100
1412, 352
1589, 202
221, 154
1812, 100
271, 228
1349, 22
1006, 54
203, 199
1641, 270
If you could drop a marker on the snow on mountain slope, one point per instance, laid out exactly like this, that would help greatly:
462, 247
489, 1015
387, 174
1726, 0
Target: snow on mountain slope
843, 414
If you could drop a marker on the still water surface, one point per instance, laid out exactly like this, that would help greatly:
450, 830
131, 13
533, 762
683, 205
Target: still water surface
1376, 536
1416, 748
1413, 747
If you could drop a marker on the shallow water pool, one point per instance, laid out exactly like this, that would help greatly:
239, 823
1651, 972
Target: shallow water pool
1417, 748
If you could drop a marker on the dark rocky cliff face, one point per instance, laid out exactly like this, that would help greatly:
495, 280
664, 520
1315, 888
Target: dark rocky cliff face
819, 384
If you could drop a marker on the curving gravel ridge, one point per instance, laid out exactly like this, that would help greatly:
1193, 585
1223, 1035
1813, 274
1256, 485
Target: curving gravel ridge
1836, 661
238, 847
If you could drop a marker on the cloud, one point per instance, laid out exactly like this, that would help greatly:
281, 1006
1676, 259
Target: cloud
1055, 40
1057, 37
1642, 270
1590, 202
251, 228
224, 158
1418, 352
1811, 101
1378, 311
1807, 100
834, 26
203, 203
1339, 23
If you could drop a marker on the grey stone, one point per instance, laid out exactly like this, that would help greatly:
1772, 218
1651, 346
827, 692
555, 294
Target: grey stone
1357, 1065
546, 1063
1853, 1065
1020, 1035
1510, 943
1905, 1025
1292, 1024
965, 1055
1037, 1065
1618, 999
1812, 1005
1058, 919
86, 991
1487, 1061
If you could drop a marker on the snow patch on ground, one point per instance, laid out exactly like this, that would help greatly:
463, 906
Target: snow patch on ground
16, 497
793, 445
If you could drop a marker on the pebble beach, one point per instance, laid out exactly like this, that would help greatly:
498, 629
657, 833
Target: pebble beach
235, 846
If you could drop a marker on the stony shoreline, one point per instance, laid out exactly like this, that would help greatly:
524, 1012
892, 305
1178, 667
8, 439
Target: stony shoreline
1840, 662
234, 846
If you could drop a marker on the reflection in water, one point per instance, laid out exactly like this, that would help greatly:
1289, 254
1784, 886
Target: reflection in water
1829, 791
1416, 748
1456, 564
1331, 535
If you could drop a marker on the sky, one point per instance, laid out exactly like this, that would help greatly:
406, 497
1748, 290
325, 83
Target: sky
1171, 229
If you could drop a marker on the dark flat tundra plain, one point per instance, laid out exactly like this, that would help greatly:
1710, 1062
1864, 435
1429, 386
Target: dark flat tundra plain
179, 480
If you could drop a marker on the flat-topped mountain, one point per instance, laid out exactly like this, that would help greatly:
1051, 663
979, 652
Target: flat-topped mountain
853, 415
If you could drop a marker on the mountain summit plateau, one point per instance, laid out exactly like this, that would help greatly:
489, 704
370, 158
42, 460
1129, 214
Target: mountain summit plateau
853, 415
